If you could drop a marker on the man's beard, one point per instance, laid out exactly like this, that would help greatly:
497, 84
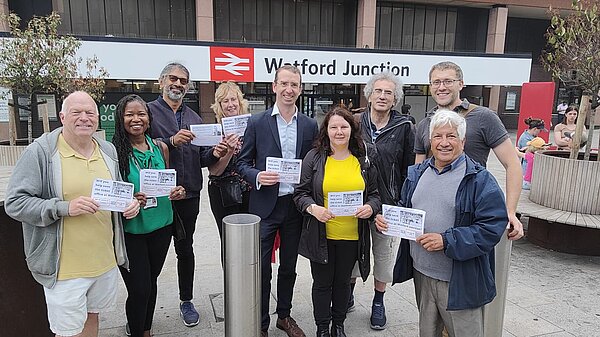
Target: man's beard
173, 95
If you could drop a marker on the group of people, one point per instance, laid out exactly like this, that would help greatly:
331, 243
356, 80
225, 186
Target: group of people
530, 142
75, 250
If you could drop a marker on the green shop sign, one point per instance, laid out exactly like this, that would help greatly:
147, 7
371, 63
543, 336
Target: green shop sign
107, 119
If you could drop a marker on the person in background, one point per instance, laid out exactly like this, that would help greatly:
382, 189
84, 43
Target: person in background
534, 127
565, 131
533, 146
148, 235
332, 243
72, 247
561, 109
227, 191
405, 109
170, 123
452, 262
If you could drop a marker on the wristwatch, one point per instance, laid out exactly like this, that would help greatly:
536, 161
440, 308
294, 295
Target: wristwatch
309, 209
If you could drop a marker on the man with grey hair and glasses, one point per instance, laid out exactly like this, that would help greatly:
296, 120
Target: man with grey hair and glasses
452, 262
171, 120
392, 135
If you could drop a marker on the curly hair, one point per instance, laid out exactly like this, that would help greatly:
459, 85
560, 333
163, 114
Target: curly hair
356, 145
121, 137
220, 95
384, 76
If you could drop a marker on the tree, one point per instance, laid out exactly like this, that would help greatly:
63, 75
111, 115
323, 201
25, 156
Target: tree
38, 60
573, 57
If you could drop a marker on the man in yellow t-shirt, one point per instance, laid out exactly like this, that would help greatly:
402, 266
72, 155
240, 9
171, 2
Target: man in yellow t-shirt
72, 247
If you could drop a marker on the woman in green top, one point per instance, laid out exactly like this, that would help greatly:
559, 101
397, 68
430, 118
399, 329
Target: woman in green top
148, 235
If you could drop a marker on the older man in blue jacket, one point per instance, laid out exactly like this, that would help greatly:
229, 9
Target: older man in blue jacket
452, 263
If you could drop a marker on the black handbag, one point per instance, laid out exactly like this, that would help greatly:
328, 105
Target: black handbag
231, 191
178, 227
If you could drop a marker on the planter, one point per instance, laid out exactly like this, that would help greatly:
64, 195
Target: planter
566, 184
9, 154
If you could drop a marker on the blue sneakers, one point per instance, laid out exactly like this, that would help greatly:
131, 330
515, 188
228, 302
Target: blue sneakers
378, 320
188, 314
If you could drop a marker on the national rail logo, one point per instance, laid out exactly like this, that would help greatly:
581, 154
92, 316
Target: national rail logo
235, 64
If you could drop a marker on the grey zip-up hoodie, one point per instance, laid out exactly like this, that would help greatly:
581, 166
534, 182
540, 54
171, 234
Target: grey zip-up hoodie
34, 197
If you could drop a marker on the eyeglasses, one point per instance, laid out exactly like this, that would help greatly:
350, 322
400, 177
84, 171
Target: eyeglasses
447, 83
387, 93
292, 85
181, 80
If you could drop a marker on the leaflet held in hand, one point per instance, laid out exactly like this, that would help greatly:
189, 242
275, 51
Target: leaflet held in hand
407, 223
157, 183
235, 124
206, 134
288, 169
344, 203
112, 195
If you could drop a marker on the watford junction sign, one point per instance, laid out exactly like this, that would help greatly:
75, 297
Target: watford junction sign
214, 62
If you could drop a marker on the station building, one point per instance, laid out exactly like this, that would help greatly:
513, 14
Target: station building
337, 44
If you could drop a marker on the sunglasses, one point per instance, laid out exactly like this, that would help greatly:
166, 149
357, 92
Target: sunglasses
181, 80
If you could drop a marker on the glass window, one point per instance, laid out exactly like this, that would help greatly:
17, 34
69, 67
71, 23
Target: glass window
79, 17
276, 17
326, 23
98, 21
249, 20
131, 27
262, 18
418, 28
429, 31
385, 27
289, 21
396, 28
407, 27
423, 27
302, 22
130, 18
236, 20
221, 19
314, 22
440, 29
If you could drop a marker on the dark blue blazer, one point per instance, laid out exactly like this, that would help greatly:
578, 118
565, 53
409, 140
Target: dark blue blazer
261, 140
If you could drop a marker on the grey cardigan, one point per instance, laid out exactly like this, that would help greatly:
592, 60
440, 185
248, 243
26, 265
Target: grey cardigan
34, 197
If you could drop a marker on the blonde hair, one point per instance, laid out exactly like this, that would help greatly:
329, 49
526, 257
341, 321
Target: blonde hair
220, 95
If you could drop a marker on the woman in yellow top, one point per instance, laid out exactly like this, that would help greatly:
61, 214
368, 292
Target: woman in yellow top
333, 243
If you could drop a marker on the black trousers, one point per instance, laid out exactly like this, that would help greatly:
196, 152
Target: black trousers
188, 210
331, 282
147, 254
288, 221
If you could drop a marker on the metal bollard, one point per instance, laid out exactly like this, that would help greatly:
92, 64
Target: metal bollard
493, 312
241, 257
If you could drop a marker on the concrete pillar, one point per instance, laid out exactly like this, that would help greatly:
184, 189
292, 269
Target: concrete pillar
496, 37
365, 24
205, 29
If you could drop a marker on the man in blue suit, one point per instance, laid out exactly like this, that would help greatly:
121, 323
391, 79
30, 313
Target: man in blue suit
279, 132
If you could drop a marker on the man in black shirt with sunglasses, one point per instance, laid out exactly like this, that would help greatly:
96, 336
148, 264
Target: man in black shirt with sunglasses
170, 121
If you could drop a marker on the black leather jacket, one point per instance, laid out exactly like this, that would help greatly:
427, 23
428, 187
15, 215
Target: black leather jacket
394, 153
313, 240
